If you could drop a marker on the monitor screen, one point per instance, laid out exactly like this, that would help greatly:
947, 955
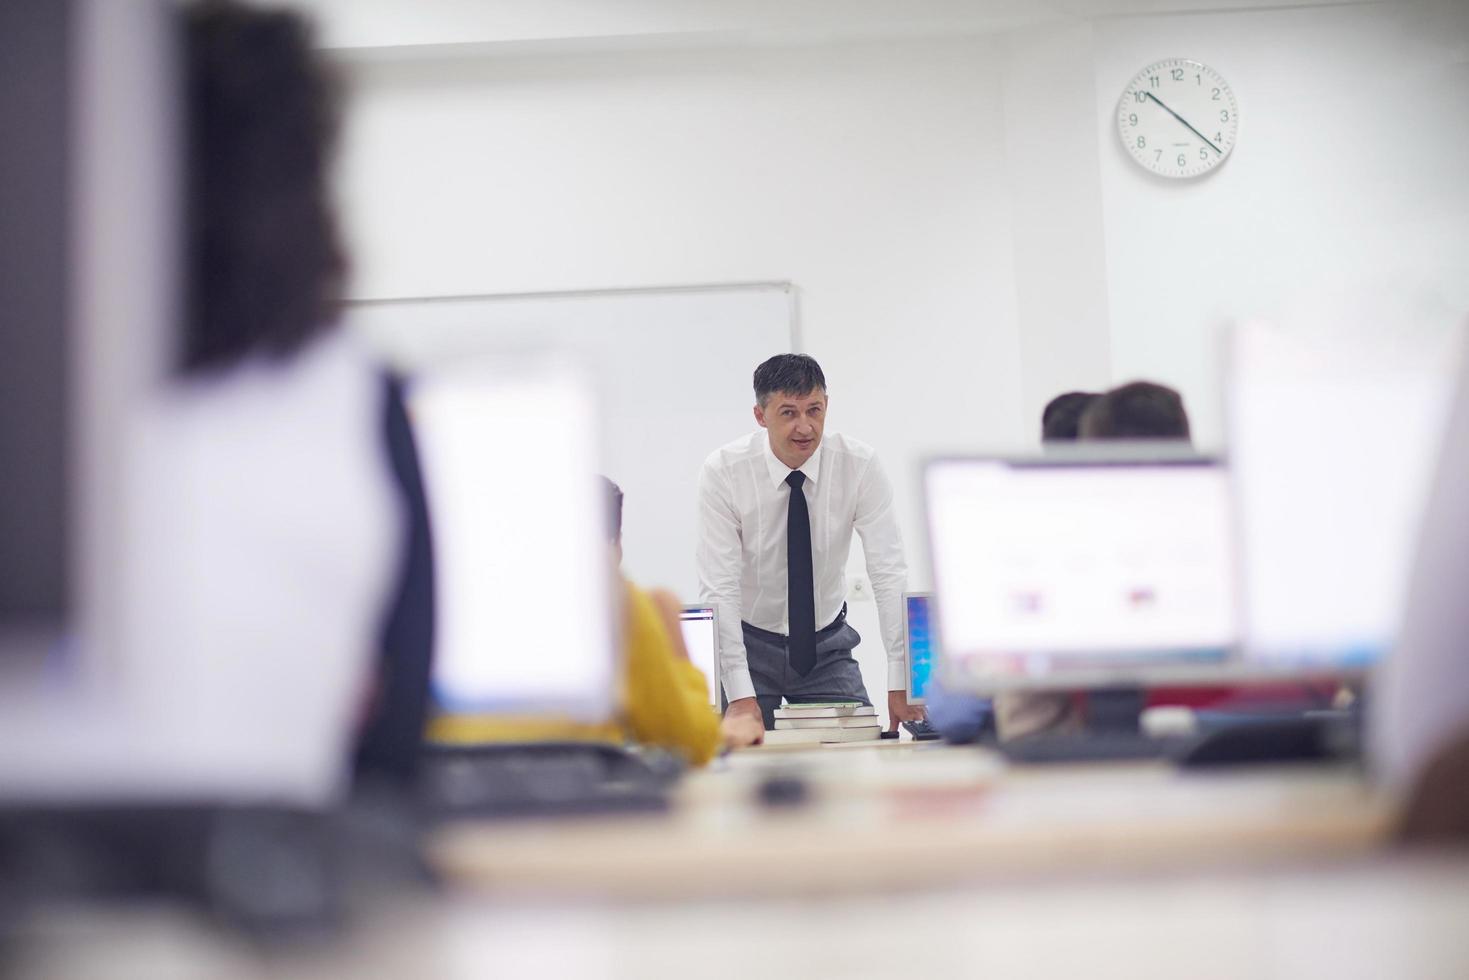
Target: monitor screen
1073, 572
522, 564
1333, 441
919, 645
700, 637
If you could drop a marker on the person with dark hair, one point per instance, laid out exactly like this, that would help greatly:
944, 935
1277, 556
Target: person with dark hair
282, 534
265, 266
1062, 415
1139, 410
777, 509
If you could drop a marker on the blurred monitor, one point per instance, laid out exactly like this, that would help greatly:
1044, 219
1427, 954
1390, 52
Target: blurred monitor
1106, 567
88, 211
522, 569
36, 396
1333, 439
919, 648
701, 638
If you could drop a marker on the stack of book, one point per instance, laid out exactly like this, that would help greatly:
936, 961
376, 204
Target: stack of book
830, 721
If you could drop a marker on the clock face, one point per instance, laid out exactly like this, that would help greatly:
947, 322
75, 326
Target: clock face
1178, 118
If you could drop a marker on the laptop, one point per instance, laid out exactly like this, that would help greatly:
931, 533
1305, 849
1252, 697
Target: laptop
700, 624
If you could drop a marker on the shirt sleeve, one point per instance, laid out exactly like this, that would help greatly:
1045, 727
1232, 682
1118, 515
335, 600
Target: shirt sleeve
876, 523
719, 558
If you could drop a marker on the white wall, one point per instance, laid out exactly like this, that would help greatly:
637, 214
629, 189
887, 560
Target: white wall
1347, 182
967, 236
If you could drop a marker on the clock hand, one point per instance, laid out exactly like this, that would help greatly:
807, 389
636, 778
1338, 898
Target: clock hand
1185, 122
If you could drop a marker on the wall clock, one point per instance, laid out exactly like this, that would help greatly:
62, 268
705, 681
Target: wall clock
1178, 118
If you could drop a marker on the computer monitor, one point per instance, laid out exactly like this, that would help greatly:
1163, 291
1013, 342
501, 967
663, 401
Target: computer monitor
919, 645
701, 637
1112, 566
523, 568
89, 191
1333, 439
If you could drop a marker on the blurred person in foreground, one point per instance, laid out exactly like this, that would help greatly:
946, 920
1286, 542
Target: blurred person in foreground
275, 498
664, 697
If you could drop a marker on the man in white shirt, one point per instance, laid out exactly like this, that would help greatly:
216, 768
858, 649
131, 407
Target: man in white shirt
777, 509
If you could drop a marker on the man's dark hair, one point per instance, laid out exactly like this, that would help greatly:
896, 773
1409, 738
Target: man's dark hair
265, 269
795, 374
1062, 415
1140, 410
613, 503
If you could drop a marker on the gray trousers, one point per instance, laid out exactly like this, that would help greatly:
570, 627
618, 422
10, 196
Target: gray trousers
836, 676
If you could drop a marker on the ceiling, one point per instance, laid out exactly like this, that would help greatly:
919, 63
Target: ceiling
362, 26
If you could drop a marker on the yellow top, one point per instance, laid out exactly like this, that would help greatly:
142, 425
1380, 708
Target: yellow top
664, 699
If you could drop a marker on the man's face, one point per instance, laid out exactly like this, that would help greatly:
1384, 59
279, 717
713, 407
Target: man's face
795, 423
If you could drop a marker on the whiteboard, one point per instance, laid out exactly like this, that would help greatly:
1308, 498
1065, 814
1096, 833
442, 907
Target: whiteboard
673, 374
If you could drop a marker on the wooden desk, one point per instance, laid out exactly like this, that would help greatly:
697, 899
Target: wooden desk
924, 816
940, 863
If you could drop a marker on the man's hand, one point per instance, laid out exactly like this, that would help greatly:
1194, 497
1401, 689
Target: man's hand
743, 715
740, 730
899, 710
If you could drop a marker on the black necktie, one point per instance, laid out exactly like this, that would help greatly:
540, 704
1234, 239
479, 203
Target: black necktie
800, 592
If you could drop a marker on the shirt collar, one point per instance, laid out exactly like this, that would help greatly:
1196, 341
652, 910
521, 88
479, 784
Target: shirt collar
779, 471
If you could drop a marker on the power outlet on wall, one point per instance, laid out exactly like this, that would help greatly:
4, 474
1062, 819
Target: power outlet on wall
859, 590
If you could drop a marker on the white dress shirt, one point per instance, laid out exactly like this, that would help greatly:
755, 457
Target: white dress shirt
741, 556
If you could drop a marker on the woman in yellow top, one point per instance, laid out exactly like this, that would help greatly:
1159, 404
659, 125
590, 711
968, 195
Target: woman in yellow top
664, 701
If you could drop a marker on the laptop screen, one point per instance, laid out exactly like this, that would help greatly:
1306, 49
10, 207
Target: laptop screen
1076, 571
701, 637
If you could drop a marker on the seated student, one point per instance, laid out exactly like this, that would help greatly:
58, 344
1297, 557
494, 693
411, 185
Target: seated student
1137, 410
664, 696
1061, 418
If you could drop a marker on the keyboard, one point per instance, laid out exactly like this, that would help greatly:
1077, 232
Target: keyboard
542, 779
921, 730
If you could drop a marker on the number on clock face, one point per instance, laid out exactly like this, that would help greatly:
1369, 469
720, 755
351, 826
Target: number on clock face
1178, 118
